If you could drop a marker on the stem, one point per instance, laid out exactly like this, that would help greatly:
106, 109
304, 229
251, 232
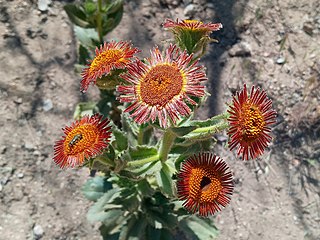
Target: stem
212, 129
166, 145
143, 161
99, 21
141, 133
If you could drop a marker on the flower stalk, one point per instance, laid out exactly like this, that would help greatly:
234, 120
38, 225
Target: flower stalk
166, 144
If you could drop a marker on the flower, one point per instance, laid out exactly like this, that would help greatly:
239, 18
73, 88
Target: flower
205, 184
84, 139
191, 35
250, 120
162, 86
110, 56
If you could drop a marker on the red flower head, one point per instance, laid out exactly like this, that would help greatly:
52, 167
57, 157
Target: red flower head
192, 35
192, 25
84, 139
162, 86
205, 184
250, 120
110, 56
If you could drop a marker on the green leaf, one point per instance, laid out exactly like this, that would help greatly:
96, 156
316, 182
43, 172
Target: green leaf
83, 55
95, 187
158, 234
181, 131
197, 228
97, 211
112, 18
106, 235
164, 179
84, 108
88, 37
113, 6
131, 128
134, 229
113, 221
77, 15
121, 140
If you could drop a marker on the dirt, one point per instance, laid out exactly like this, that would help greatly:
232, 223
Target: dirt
272, 44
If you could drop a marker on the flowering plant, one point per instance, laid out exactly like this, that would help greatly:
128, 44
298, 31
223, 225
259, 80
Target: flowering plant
154, 175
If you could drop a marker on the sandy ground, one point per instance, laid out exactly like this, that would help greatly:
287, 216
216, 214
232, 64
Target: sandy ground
272, 44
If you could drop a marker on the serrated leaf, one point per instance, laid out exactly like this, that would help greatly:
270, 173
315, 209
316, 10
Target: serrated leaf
158, 234
87, 37
97, 211
95, 187
77, 15
181, 131
164, 179
198, 228
121, 140
84, 108
83, 55
134, 229
113, 220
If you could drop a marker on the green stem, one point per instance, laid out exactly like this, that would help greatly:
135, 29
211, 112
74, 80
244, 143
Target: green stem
99, 21
141, 133
143, 161
212, 129
166, 145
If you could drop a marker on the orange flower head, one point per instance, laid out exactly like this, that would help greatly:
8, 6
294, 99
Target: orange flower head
161, 87
192, 25
110, 56
84, 139
250, 120
205, 184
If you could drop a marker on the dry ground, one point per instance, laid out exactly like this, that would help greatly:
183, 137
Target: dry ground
272, 44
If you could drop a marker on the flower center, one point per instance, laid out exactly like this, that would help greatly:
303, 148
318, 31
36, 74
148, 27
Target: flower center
251, 122
161, 84
80, 139
204, 185
106, 58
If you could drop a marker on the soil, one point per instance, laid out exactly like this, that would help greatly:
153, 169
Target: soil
272, 44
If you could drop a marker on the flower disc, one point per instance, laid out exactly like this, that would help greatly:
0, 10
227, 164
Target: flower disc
84, 139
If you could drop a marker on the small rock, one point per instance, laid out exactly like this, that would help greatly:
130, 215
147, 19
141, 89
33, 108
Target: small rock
36, 153
47, 105
38, 231
17, 100
3, 149
308, 27
43, 5
281, 60
190, 10
20, 175
241, 49
29, 145
1, 187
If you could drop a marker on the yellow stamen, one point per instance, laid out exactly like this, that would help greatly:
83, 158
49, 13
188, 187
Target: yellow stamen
251, 121
75, 144
204, 185
106, 58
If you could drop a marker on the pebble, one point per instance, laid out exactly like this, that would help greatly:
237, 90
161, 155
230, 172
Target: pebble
20, 175
47, 105
29, 145
308, 28
281, 60
43, 5
38, 231
3, 149
241, 49
18, 100
189, 10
